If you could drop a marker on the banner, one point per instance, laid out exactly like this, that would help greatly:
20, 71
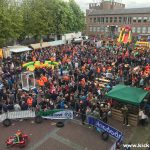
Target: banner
105, 127
101, 126
56, 114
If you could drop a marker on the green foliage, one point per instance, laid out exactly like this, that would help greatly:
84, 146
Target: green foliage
11, 21
38, 18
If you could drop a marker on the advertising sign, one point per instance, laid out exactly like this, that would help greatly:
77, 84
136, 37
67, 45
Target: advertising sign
105, 127
56, 114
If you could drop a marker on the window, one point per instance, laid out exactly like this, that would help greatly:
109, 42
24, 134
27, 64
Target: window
106, 29
138, 29
145, 19
129, 20
102, 29
120, 19
148, 30
98, 19
111, 19
91, 29
118, 29
91, 19
124, 19
102, 19
94, 29
134, 19
94, 20
106, 19
98, 29
143, 29
133, 29
115, 19
139, 19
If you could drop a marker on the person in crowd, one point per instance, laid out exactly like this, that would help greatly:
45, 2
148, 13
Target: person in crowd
73, 84
125, 113
142, 117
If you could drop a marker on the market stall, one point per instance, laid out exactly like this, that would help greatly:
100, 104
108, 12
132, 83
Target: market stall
40, 45
130, 96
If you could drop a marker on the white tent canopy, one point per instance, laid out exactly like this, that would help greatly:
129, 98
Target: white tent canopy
19, 49
40, 45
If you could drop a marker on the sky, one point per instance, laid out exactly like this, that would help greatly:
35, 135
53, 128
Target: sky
129, 3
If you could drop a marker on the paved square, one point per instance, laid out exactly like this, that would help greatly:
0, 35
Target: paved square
47, 136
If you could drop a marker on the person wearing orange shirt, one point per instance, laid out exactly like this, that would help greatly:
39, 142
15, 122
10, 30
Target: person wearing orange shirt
98, 71
30, 101
83, 82
40, 82
44, 78
66, 78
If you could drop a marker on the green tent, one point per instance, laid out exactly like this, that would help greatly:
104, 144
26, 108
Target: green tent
127, 94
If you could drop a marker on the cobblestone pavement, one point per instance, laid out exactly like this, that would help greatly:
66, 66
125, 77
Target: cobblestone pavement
47, 136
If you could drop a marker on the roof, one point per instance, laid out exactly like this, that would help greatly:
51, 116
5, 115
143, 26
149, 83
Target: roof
127, 94
38, 45
119, 11
19, 49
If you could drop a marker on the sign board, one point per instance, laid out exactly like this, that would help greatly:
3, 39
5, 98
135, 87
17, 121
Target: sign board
56, 114
105, 127
101, 126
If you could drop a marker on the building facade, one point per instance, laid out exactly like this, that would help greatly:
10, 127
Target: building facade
108, 17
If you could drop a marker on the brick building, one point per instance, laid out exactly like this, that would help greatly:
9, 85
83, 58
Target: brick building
108, 16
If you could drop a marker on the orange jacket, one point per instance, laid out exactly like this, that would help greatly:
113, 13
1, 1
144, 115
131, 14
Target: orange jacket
29, 101
44, 79
41, 82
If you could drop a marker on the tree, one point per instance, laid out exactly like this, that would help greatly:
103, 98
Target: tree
78, 16
10, 22
38, 18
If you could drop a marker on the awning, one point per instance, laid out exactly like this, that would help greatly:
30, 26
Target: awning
40, 45
127, 94
57, 43
19, 49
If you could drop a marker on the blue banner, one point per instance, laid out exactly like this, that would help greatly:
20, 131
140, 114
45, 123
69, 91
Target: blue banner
105, 127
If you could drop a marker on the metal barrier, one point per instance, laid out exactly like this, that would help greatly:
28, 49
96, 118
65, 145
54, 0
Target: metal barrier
17, 115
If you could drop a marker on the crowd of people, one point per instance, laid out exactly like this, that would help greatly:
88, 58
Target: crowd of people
73, 84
